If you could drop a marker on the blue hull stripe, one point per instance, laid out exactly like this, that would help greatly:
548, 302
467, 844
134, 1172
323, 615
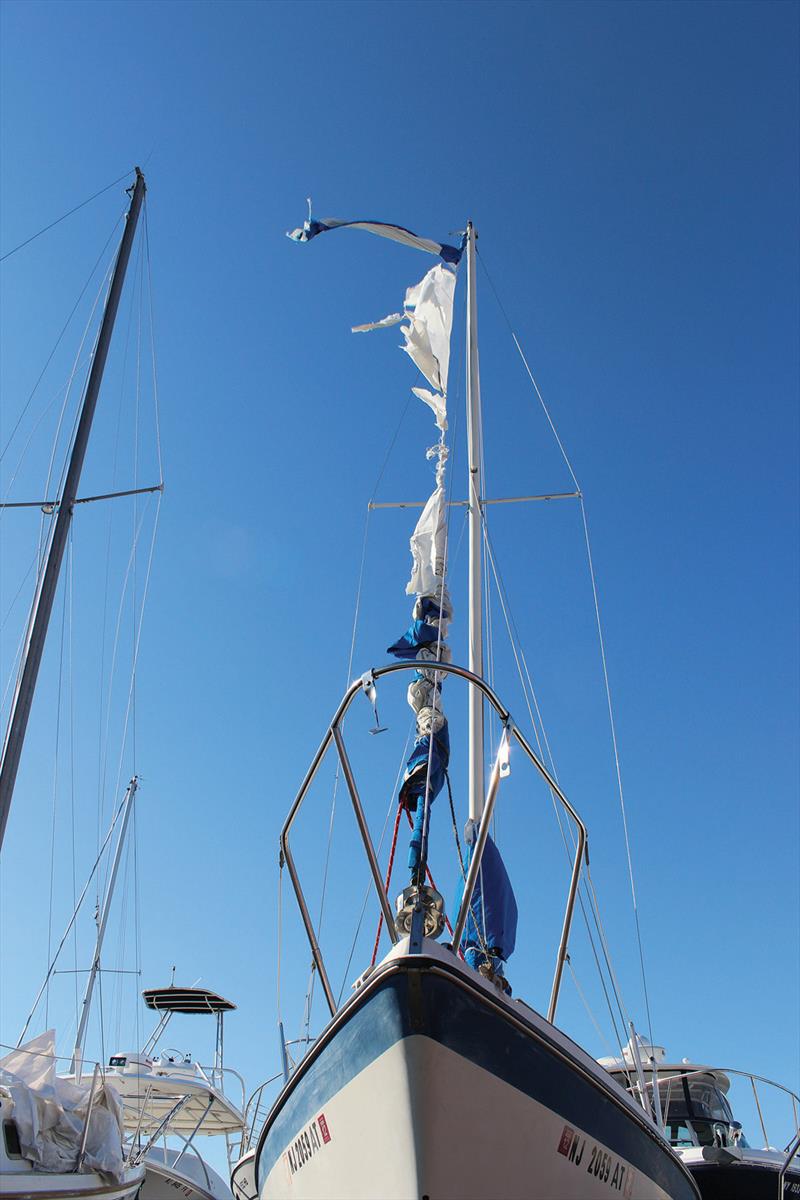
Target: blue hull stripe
414, 1001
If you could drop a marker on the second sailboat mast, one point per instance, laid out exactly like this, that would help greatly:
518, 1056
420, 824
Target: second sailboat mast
475, 496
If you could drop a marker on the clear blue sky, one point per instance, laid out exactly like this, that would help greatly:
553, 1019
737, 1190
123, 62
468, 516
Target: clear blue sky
632, 171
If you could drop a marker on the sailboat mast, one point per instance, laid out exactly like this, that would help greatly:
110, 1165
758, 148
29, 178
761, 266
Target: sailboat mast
43, 602
474, 493
77, 1055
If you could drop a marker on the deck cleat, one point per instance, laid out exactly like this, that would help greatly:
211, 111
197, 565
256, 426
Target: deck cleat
432, 906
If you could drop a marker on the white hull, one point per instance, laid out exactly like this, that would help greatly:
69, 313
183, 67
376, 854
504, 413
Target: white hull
243, 1178
191, 1179
378, 1140
35, 1185
429, 1084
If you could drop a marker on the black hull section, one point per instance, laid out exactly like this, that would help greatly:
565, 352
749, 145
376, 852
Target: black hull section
741, 1181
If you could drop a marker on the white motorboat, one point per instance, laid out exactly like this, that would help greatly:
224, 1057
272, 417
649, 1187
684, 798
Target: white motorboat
431, 1080
169, 1101
694, 1105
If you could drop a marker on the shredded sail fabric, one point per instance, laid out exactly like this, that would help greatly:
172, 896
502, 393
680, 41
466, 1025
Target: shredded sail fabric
427, 322
428, 546
396, 233
384, 323
436, 403
429, 306
428, 311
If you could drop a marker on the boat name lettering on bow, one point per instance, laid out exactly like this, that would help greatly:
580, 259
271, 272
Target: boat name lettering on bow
180, 1187
600, 1163
307, 1143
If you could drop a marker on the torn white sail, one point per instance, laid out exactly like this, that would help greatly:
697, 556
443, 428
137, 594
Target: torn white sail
428, 311
428, 546
384, 323
429, 307
435, 402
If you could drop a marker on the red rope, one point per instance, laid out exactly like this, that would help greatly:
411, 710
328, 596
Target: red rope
431, 882
388, 881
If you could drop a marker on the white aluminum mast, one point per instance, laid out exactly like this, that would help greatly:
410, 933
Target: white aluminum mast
474, 496
77, 1055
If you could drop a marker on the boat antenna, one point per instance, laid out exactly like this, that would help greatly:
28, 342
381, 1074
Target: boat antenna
475, 498
46, 591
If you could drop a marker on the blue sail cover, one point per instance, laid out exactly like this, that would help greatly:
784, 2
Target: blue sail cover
418, 634
396, 233
415, 781
417, 767
493, 912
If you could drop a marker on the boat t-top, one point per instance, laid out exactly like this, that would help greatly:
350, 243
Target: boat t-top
169, 1100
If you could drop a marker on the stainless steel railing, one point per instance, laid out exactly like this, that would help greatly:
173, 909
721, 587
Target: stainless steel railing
334, 735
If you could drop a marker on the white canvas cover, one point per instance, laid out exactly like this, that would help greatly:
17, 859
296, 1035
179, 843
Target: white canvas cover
428, 547
50, 1112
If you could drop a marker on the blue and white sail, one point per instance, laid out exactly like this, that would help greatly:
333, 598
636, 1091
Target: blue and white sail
312, 228
426, 324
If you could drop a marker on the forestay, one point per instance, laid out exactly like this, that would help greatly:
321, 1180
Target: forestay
426, 322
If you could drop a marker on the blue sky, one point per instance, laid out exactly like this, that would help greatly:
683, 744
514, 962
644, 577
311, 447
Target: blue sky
631, 169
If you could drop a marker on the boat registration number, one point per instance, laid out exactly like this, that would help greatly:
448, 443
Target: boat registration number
597, 1161
307, 1144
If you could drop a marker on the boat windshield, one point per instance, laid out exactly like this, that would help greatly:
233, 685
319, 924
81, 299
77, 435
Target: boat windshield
708, 1103
692, 1108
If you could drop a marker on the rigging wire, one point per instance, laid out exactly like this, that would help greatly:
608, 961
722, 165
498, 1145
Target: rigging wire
280, 941
370, 884
444, 455
312, 973
586, 1005
58, 220
138, 606
71, 922
540, 734
102, 745
601, 639
137, 641
58, 340
43, 414
55, 794
17, 595
156, 404
104, 285
71, 586
126, 721
351, 655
